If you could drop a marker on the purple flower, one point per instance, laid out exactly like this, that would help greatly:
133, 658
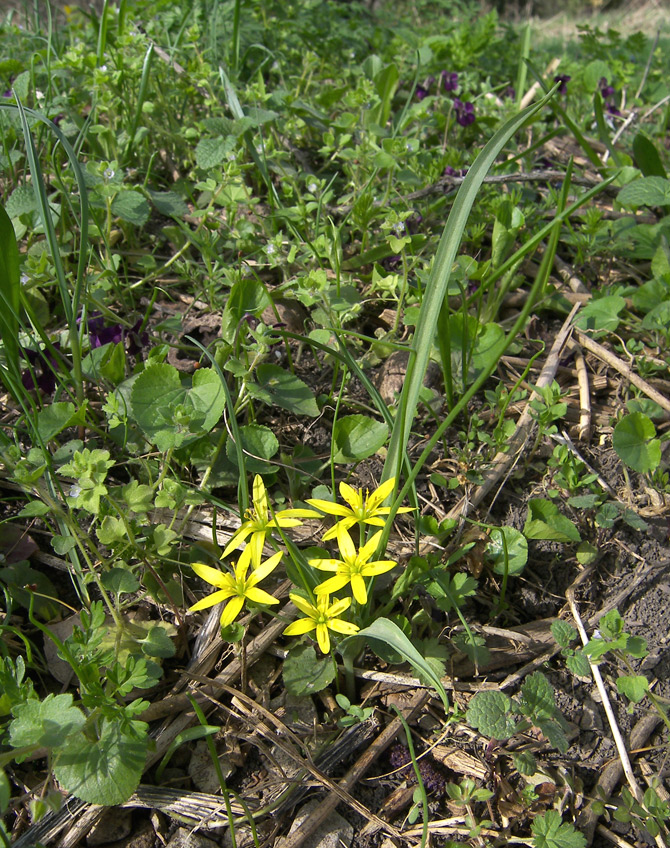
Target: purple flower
465, 112
450, 80
509, 92
391, 263
612, 109
99, 335
564, 79
454, 172
605, 89
420, 92
42, 370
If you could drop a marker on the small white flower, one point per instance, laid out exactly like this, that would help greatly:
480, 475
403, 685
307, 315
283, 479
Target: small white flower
103, 68
75, 491
25, 279
39, 95
398, 228
596, 634
312, 188
270, 249
108, 173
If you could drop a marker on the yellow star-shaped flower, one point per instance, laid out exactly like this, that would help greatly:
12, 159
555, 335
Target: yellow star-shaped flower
363, 508
353, 566
237, 586
258, 522
321, 617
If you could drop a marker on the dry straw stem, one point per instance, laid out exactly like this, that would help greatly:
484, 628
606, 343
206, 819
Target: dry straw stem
504, 461
609, 712
622, 367
296, 839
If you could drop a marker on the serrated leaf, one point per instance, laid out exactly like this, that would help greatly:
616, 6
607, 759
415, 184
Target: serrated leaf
46, 723
538, 700
210, 152
647, 191
286, 390
357, 437
555, 734
131, 206
634, 687
634, 440
525, 763
563, 632
578, 663
306, 674
169, 203
544, 521
490, 714
550, 831
104, 771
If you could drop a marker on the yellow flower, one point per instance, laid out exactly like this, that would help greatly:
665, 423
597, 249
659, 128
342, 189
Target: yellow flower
236, 586
353, 566
363, 508
259, 521
322, 618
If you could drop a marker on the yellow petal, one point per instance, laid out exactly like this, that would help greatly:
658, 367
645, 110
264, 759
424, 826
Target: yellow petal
260, 498
339, 607
380, 566
381, 493
353, 497
260, 596
358, 589
340, 626
265, 568
329, 507
334, 584
231, 610
243, 564
303, 605
369, 547
212, 575
212, 600
297, 628
326, 564
256, 544
346, 523
237, 538
323, 638
345, 544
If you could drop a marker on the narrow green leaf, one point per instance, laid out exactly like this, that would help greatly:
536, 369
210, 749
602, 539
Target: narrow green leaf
390, 635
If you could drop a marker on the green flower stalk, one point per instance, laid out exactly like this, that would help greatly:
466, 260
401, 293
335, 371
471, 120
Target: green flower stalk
354, 566
322, 617
363, 508
258, 522
237, 586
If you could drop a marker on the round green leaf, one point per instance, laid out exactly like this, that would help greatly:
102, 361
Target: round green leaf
517, 550
357, 436
259, 445
634, 440
105, 771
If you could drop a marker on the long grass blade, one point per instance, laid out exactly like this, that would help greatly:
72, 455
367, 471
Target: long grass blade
439, 281
10, 295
